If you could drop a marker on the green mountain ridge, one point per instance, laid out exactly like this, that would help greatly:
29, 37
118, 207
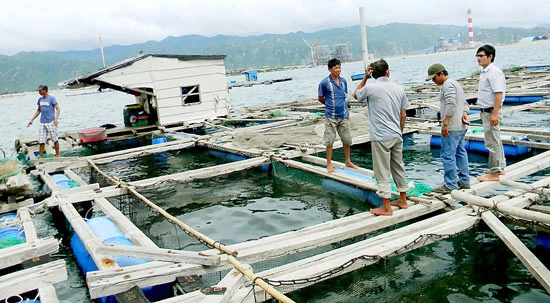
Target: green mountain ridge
25, 70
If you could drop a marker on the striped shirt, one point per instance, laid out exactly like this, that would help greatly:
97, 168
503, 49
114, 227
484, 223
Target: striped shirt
335, 97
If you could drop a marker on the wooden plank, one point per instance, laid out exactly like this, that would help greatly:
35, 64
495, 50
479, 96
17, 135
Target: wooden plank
202, 173
401, 242
124, 224
28, 225
157, 148
73, 176
47, 294
537, 268
86, 235
9, 207
231, 283
137, 149
32, 278
47, 179
83, 196
109, 282
16, 254
159, 254
325, 234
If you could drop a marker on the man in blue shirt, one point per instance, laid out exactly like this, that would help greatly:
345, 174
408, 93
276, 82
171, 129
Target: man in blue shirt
48, 109
332, 93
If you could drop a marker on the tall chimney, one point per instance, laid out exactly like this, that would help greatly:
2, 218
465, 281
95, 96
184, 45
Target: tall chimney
470, 28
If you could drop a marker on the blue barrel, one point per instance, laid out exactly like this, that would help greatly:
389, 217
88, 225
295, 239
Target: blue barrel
107, 231
159, 140
11, 232
543, 241
61, 180
350, 190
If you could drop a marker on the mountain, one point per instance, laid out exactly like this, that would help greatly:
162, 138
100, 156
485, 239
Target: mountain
25, 70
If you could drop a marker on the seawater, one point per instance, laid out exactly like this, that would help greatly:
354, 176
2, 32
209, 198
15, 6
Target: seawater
472, 267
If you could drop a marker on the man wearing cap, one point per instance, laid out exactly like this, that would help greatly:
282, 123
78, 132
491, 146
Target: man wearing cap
491, 94
454, 113
48, 109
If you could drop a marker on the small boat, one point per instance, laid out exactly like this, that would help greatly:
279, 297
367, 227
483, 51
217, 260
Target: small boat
537, 67
358, 76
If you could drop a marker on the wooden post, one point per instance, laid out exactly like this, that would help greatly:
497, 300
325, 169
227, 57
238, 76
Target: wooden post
537, 268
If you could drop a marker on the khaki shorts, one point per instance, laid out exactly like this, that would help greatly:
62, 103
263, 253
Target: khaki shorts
340, 126
45, 130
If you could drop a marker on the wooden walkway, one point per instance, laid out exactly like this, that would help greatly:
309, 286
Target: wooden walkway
290, 142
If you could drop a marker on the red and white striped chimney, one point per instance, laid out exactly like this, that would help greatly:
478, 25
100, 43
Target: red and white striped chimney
470, 28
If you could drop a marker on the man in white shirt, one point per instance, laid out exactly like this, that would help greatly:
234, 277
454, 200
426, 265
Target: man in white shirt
491, 94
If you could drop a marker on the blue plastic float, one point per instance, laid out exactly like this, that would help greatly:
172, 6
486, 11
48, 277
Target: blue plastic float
11, 232
351, 190
107, 231
479, 146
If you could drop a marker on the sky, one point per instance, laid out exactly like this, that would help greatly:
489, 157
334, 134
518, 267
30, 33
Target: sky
29, 25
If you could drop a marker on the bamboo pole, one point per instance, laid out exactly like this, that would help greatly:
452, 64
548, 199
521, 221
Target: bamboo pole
502, 207
523, 186
258, 281
168, 216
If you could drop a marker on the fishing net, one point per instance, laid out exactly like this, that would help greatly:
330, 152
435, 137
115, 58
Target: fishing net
8, 168
304, 134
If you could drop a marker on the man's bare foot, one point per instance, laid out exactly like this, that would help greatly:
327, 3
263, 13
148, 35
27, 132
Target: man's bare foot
349, 164
502, 172
330, 169
381, 211
489, 177
401, 204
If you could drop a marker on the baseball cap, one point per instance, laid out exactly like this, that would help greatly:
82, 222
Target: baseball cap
433, 70
44, 87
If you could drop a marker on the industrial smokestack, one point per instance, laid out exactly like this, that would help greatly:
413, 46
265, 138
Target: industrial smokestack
470, 28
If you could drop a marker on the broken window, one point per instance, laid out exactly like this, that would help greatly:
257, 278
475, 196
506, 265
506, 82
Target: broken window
190, 95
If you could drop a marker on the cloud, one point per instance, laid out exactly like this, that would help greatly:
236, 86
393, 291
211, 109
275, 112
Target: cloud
73, 25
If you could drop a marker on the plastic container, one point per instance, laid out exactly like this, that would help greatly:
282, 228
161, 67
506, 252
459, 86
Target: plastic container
138, 120
129, 110
543, 241
159, 140
93, 135
11, 232
108, 232
61, 180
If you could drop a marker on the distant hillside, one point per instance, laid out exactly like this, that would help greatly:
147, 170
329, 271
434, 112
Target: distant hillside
24, 71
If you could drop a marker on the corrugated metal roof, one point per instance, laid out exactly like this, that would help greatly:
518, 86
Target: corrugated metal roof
88, 79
